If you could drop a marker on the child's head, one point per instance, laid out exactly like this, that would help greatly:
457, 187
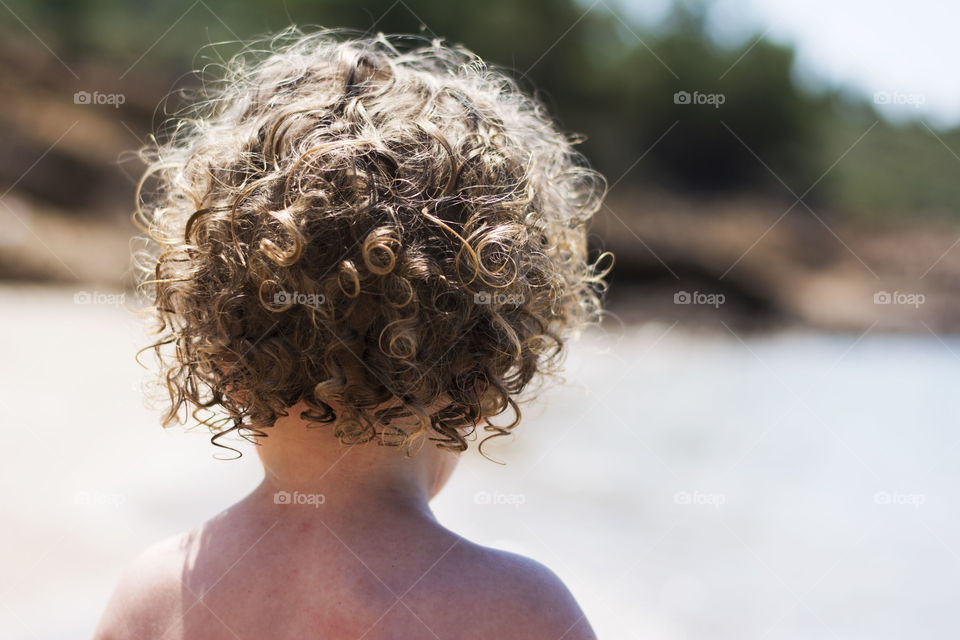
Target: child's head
374, 231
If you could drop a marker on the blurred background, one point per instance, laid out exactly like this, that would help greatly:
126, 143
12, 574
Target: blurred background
756, 443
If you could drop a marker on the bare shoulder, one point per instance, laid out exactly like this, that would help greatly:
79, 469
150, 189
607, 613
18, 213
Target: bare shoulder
513, 596
148, 596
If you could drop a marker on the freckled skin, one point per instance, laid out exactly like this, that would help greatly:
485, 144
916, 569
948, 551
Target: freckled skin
370, 561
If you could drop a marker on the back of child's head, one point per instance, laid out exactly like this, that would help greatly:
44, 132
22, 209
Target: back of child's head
382, 229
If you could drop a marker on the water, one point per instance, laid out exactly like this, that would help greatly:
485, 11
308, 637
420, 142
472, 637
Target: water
684, 485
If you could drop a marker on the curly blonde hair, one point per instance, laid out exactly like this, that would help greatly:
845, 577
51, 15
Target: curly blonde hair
377, 227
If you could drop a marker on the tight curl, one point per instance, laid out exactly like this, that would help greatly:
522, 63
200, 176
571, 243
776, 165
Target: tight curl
383, 229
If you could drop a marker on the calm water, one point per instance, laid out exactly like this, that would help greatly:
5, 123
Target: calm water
684, 485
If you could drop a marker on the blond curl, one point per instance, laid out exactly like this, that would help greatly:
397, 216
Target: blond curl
381, 228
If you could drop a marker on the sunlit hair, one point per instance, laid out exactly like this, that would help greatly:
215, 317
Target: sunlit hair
382, 228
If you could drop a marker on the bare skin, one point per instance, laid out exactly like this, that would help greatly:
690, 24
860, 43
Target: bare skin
370, 562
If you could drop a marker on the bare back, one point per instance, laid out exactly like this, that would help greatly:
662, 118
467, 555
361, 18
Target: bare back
272, 573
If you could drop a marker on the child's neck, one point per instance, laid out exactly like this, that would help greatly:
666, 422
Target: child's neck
308, 464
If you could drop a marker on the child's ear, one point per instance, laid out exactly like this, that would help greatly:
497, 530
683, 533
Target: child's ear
235, 394
239, 397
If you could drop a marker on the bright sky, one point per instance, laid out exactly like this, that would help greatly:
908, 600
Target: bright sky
906, 50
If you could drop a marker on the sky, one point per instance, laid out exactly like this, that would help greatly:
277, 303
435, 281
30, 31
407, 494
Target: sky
903, 51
